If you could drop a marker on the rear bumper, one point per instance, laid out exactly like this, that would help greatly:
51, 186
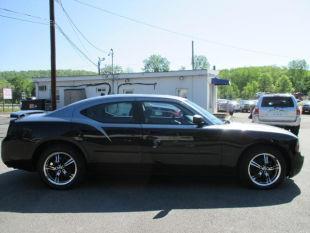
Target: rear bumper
296, 164
277, 123
16, 155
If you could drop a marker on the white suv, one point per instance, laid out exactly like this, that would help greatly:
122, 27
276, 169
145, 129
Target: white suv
279, 110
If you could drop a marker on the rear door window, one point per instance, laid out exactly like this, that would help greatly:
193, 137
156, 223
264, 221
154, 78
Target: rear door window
111, 113
281, 102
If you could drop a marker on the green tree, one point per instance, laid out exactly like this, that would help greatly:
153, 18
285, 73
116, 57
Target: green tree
228, 92
156, 63
107, 69
265, 83
250, 90
201, 62
283, 85
298, 74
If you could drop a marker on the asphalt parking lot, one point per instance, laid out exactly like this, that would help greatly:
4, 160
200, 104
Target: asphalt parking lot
155, 204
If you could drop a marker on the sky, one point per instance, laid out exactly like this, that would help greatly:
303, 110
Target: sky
229, 33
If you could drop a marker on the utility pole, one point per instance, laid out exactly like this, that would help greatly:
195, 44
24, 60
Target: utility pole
53, 55
99, 63
112, 58
193, 56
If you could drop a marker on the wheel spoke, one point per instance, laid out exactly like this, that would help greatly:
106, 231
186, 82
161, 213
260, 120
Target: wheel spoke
254, 164
52, 168
70, 161
267, 177
266, 159
272, 168
57, 158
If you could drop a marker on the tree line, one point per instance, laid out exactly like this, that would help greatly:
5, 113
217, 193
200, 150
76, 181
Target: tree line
247, 81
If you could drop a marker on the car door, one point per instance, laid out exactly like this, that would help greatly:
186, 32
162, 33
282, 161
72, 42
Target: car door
171, 138
111, 133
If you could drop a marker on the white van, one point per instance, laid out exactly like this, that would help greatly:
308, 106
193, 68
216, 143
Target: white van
279, 110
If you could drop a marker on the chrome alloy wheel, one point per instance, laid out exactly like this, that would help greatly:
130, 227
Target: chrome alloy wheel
60, 168
264, 169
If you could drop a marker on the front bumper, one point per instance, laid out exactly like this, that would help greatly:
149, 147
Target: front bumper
296, 164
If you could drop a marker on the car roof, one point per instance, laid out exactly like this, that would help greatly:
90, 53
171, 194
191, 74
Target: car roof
277, 95
66, 111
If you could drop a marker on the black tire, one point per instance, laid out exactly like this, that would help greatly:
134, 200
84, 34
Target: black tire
245, 168
77, 167
295, 130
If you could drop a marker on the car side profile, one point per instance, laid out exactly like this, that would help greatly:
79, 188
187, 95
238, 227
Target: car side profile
162, 132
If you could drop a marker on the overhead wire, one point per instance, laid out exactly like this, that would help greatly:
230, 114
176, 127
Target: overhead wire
24, 20
78, 30
73, 45
176, 32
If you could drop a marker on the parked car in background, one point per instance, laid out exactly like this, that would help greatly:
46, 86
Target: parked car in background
247, 105
229, 106
31, 106
279, 110
234, 105
306, 107
222, 105
162, 134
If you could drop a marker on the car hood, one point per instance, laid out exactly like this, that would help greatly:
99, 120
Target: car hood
255, 127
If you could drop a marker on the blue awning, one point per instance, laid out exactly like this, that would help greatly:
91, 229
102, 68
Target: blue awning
220, 81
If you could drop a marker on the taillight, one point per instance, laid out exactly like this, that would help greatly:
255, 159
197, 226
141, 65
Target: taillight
256, 111
297, 111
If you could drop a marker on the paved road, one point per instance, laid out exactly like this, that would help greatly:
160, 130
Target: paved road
155, 204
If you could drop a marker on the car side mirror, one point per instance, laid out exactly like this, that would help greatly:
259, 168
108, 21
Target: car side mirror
198, 120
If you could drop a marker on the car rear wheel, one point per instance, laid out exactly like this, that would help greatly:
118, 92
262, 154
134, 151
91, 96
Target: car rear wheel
61, 167
263, 168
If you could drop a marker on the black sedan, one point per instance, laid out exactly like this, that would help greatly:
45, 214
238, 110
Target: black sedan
164, 133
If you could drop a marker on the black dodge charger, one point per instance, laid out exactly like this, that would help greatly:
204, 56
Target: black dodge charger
163, 133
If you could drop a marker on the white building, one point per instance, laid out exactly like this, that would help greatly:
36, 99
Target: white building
198, 86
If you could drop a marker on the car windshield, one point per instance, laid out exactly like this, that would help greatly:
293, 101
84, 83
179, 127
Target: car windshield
213, 119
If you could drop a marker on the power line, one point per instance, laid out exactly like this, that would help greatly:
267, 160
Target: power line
79, 31
24, 14
176, 32
58, 27
24, 20
74, 45
72, 26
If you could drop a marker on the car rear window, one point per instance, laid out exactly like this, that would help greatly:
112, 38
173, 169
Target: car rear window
277, 102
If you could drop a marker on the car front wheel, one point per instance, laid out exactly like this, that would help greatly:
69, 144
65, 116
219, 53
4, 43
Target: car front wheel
61, 167
262, 168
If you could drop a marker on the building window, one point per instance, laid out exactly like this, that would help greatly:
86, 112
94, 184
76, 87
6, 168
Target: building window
101, 91
128, 91
182, 92
57, 96
42, 88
